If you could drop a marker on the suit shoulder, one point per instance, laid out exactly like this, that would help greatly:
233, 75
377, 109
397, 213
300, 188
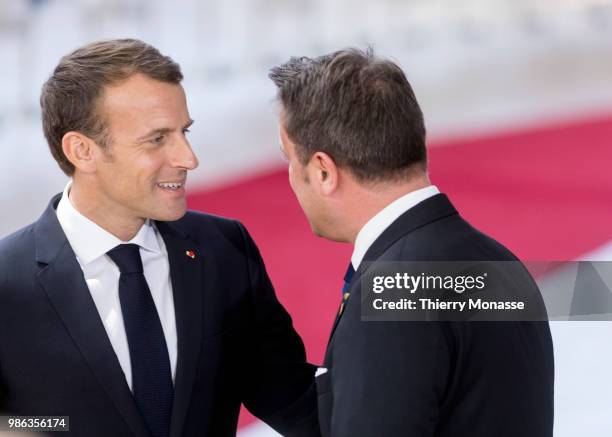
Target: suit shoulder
210, 225
17, 242
485, 245
495, 248
16, 251
194, 220
453, 238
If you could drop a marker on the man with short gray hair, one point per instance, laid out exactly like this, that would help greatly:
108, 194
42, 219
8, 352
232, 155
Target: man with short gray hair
354, 137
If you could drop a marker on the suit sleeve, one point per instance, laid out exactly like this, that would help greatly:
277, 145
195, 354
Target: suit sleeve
278, 384
388, 379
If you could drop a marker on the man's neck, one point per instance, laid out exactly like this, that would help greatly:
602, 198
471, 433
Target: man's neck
369, 201
106, 217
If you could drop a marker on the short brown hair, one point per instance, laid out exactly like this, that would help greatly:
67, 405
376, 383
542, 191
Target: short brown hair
357, 108
69, 98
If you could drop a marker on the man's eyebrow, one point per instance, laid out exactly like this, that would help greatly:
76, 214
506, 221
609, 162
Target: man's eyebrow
162, 131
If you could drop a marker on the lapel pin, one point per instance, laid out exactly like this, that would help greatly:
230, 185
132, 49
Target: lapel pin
345, 297
190, 254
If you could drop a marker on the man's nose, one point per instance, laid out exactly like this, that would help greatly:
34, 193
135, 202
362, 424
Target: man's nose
183, 155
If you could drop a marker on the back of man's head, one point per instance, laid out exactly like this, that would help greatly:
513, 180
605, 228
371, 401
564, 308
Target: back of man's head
70, 98
358, 109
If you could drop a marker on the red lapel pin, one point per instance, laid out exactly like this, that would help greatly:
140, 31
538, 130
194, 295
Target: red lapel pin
190, 254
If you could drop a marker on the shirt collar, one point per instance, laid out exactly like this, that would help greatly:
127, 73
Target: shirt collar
383, 219
89, 241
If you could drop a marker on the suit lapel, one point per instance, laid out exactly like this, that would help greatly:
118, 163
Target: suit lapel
429, 210
63, 281
185, 259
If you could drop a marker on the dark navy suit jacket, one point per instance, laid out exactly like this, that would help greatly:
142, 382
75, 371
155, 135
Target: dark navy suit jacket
442, 379
236, 343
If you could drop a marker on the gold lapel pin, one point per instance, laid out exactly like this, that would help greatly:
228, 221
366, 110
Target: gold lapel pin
345, 297
190, 254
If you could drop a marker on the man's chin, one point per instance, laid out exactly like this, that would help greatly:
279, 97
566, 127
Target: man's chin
170, 214
328, 235
320, 233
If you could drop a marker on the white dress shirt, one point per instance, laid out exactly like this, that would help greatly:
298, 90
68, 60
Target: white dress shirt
90, 243
384, 218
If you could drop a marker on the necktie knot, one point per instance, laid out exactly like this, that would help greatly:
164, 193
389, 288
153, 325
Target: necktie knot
127, 258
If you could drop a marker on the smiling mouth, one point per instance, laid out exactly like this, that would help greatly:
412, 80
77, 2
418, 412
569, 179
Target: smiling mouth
171, 185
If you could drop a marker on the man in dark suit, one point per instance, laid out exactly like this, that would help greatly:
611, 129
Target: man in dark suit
120, 309
354, 137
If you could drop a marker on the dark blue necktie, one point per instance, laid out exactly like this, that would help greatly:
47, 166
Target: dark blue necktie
151, 374
347, 278
346, 287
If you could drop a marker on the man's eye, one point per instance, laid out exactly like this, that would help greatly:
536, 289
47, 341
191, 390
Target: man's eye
158, 139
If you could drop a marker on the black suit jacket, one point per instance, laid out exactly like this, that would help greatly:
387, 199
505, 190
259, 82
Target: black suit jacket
443, 379
236, 343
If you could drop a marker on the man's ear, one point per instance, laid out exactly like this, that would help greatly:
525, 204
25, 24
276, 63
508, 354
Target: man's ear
80, 151
324, 172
